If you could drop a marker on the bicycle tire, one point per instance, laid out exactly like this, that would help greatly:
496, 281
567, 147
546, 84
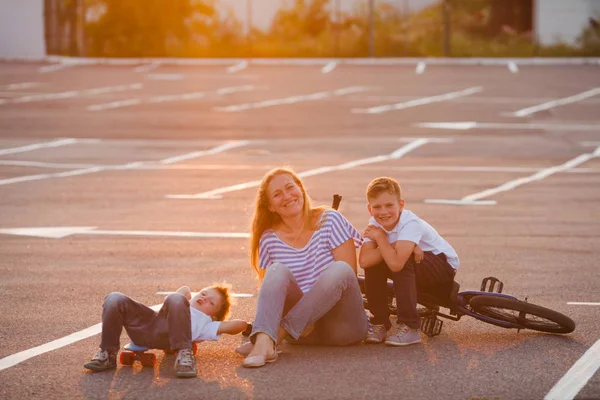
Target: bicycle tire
523, 314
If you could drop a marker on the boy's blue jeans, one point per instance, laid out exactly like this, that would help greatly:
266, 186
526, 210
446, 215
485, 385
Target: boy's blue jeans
433, 276
334, 304
170, 328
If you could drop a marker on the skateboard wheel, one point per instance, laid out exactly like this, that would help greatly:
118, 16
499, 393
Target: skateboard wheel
126, 358
148, 359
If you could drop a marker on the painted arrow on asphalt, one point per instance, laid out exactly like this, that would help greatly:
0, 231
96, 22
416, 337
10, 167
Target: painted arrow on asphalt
468, 125
62, 232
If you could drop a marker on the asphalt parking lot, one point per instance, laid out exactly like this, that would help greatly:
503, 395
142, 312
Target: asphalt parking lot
141, 179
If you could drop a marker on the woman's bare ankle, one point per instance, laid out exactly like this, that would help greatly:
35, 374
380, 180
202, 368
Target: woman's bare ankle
282, 334
308, 330
263, 345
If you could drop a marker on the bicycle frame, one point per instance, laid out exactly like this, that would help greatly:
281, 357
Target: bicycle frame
463, 299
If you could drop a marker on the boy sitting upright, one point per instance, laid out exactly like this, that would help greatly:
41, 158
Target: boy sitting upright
390, 238
182, 319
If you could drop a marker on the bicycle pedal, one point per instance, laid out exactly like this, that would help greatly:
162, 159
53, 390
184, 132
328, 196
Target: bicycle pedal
489, 285
431, 326
424, 311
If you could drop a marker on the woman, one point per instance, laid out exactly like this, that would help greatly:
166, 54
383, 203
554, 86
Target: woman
306, 260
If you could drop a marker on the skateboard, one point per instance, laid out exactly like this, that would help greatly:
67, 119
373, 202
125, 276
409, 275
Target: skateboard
132, 353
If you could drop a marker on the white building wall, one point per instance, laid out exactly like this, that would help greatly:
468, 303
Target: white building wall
563, 20
22, 29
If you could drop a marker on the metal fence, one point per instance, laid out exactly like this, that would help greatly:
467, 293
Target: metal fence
318, 28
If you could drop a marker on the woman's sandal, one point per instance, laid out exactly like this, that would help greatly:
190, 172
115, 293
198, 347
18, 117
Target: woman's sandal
246, 348
260, 360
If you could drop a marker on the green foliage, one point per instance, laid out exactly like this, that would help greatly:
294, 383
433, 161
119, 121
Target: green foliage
306, 18
147, 28
307, 28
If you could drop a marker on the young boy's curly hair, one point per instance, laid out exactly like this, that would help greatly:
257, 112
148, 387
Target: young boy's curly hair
223, 289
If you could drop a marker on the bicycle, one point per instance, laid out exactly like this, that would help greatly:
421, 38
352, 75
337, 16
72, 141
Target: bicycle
487, 305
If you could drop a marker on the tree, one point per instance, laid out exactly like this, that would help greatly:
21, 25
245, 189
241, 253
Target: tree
304, 18
146, 28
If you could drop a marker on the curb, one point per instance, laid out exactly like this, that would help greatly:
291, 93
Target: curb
536, 61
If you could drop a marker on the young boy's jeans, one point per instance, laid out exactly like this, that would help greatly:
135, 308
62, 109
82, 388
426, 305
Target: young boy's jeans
170, 328
334, 304
433, 276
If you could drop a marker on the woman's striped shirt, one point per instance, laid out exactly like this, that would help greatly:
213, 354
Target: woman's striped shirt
307, 263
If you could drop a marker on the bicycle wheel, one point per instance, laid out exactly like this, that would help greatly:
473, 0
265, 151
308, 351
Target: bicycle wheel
522, 313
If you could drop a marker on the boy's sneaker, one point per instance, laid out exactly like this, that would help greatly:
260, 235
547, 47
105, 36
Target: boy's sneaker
185, 364
102, 361
376, 334
404, 337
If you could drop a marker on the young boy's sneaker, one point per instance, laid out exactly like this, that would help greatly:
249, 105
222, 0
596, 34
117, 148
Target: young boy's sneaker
102, 361
185, 364
404, 337
376, 334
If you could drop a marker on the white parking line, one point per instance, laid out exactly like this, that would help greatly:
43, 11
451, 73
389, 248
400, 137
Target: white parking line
417, 102
76, 93
14, 359
577, 376
37, 164
146, 67
114, 104
330, 66
175, 97
581, 303
468, 125
168, 98
216, 193
555, 103
292, 99
46, 96
237, 67
113, 89
36, 146
164, 77
131, 165
196, 154
54, 67
470, 99
59, 232
19, 86
234, 89
475, 199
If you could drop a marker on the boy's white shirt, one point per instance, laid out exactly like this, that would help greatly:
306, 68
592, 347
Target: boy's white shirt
203, 327
412, 228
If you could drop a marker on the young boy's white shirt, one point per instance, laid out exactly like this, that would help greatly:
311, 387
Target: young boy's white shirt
412, 228
203, 327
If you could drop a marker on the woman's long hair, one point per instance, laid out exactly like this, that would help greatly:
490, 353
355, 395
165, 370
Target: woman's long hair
264, 219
